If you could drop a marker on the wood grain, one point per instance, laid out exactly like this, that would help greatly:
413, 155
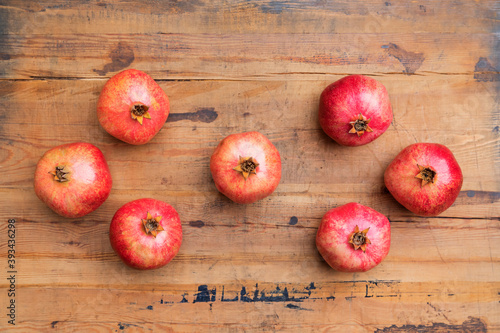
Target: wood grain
234, 66
244, 56
204, 16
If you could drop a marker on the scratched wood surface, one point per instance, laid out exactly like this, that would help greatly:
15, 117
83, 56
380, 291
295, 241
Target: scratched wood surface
233, 66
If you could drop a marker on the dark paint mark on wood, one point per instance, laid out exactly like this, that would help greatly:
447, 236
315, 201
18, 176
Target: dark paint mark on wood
54, 323
197, 224
204, 115
475, 325
366, 293
150, 307
496, 129
485, 72
165, 302
123, 326
121, 57
486, 197
410, 60
311, 286
277, 295
205, 295
243, 295
222, 299
296, 307
293, 220
73, 243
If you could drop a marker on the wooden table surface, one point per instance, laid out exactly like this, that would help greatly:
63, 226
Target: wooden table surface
234, 66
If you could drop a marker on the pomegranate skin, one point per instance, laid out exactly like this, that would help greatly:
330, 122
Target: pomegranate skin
117, 97
341, 103
134, 246
332, 238
230, 182
89, 179
430, 199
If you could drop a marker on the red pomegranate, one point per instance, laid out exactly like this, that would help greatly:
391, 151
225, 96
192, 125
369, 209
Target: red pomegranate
146, 233
355, 110
425, 178
246, 167
73, 179
132, 107
353, 238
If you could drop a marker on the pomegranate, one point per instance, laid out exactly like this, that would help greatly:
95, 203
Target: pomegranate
146, 233
73, 179
246, 167
425, 178
355, 110
353, 238
132, 107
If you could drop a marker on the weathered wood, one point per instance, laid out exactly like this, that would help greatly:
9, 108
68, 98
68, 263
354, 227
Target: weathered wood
424, 109
205, 16
245, 56
360, 306
234, 66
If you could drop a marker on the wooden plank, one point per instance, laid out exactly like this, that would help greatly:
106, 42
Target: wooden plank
246, 56
418, 103
153, 309
266, 238
204, 16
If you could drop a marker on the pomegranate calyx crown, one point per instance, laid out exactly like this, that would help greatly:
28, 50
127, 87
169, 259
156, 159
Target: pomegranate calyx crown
139, 111
360, 125
358, 239
427, 174
152, 225
60, 174
246, 166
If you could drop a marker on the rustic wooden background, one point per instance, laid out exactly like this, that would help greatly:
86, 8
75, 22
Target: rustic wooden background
233, 66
